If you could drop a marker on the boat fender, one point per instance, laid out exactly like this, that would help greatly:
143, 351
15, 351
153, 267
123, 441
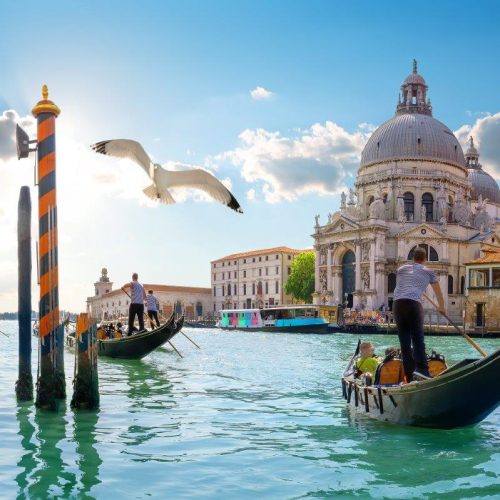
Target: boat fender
349, 392
381, 403
367, 405
356, 396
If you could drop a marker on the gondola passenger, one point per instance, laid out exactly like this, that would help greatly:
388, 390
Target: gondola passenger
367, 361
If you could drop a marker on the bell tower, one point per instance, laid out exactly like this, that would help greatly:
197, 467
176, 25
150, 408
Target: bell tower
103, 286
472, 155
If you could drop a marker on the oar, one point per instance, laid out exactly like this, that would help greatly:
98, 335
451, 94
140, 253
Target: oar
3, 333
173, 347
190, 340
461, 332
356, 352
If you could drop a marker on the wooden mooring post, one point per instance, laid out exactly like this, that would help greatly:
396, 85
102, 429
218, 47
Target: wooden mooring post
86, 381
24, 384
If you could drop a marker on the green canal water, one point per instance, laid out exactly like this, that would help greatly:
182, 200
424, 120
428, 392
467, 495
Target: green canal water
251, 415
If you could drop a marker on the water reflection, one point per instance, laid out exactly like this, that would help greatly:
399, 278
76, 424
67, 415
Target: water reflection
85, 437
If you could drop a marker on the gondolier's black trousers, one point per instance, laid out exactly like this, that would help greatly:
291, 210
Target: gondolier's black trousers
135, 309
409, 316
153, 315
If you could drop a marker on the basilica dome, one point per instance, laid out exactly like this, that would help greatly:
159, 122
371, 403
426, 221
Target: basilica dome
413, 136
482, 182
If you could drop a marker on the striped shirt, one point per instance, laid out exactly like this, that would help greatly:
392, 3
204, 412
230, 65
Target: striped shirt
412, 280
151, 302
136, 293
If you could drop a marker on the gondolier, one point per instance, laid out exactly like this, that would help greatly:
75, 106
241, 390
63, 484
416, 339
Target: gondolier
411, 282
137, 298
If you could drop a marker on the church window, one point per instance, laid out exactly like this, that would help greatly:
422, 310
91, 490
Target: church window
409, 205
391, 282
450, 284
432, 255
385, 197
462, 285
428, 203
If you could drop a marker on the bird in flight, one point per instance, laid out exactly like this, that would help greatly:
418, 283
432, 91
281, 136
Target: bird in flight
164, 179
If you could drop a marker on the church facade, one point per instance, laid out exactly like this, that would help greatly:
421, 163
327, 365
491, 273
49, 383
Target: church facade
414, 187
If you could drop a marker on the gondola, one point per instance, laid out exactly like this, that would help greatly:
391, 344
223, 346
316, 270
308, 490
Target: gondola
461, 395
141, 344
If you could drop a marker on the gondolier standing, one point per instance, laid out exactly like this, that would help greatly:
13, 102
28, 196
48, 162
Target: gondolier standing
411, 282
137, 298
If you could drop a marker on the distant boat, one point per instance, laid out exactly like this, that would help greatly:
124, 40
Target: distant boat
140, 344
293, 319
463, 394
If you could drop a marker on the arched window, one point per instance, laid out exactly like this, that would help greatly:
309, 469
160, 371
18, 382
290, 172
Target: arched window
409, 204
430, 252
450, 284
385, 197
348, 277
391, 282
462, 285
428, 203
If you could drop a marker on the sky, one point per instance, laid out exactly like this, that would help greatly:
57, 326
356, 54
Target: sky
275, 98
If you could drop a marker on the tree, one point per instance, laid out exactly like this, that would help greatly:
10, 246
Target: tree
300, 283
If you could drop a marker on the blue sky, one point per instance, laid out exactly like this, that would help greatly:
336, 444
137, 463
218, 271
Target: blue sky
177, 77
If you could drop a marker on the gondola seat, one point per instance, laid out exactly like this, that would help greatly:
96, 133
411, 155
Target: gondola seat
389, 372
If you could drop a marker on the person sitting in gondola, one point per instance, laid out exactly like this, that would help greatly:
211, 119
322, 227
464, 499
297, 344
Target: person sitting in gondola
367, 361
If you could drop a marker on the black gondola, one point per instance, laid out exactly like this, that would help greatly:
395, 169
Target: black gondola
461, 395
141, 344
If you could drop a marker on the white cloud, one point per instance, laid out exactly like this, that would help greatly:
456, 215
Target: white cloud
320, 160
486, 134
251, 194
261, 94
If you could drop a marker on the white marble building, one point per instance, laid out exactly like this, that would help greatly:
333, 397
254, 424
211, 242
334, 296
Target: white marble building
414, 187
193, 302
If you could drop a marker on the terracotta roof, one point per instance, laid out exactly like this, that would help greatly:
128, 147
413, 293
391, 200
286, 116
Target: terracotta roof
265, 251
158, 288
489, 256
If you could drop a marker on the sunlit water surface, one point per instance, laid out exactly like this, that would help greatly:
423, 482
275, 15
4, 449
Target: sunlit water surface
249, 415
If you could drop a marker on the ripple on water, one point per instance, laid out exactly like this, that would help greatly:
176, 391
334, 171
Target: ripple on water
247, 415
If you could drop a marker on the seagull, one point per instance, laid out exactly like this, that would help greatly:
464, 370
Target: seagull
164, 179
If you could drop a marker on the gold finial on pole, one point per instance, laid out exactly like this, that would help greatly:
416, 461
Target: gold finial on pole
45, 105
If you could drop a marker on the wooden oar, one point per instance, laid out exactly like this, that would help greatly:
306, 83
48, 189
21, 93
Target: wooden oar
173, 347
3, 333
190, 340
462, 332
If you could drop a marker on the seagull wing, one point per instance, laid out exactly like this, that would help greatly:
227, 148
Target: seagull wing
196, 179
125, 148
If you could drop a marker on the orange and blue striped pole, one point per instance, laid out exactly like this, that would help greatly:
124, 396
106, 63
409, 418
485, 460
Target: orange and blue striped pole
51, 383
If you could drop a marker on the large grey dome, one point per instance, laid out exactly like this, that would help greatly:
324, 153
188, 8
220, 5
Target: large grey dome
483, 184
413, 136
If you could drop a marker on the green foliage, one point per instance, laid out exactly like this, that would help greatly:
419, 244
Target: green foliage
300, 283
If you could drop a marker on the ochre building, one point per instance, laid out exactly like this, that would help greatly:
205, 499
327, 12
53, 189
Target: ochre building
414, 187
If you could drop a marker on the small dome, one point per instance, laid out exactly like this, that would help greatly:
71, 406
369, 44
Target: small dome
414, 78
413, 137
483, 184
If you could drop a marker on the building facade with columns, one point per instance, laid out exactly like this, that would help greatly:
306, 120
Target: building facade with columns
414, 187
109, 304
252, 279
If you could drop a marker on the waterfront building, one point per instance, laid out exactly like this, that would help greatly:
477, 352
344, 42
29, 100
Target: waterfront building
106, 303
252, 279
482, 292
414, 187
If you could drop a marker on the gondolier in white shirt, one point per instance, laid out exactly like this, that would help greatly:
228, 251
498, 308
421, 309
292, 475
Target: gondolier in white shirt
411, 283
152, 305
137, 298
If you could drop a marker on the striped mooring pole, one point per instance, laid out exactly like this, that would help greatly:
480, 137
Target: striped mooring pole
86, 381
51, 384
